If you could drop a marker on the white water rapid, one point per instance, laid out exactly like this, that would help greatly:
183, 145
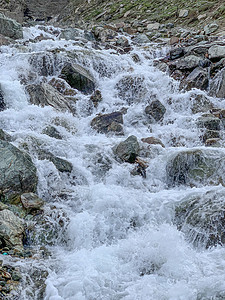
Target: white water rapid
116, 238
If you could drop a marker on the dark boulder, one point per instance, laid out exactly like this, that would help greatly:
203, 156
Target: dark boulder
127, 150
155, 111
108, 123
198, 78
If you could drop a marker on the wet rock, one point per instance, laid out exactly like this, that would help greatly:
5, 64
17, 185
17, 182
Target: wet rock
176, 53
61, 165
52, 132
5, 41
131, 89
209, 122
122, 42
70, 34
96, 98
201, 217
152, 141
210, 134
17, 172
214, 142
196, 167
200, 103
104, 34
217, 85
210, 28
11, 230
214, 68
2, 102
127, 150
198, 78
4, 136
155, 111
45, 95
31, 201
141, 39
108, 123
78, 77
16, 276
153, 26
10, 28
62, 86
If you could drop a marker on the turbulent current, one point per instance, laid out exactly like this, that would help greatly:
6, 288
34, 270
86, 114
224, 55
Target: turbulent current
111, 234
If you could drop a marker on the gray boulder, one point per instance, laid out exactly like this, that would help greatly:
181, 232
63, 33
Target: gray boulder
52, 132
10, 28
17, 172
78, 78
127, 150
11, 230
109, 123
155, 111
196, 167
45, 95
31, 201
210, 28
201, 218
216, 52
209, 122
188, 62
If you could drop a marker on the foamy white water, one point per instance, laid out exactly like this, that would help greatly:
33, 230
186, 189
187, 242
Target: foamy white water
118, 240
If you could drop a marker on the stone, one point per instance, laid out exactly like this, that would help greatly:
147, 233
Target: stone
200, 216
196, 168
198, 78
78, 78
96, 98
62, 86
5, 41
10, 28
108, 123
217, 85
216, 52
131, 89
11, 230
122, 42
17, 172
141, 39
31, 201
209, 122
200, 103
16, 276
70, 34
153, 26
45, 95
176, 53
210, 28
4, 136
153, 141
155, 111
214, 142
61, 165
183, 13
210, 134
188, 62
174, 40
52, 132
127, 151
2, 102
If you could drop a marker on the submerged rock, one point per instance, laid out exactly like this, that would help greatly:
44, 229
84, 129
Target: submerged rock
108, 123
201, 217
155, 111
196, 167
46, 95
127, 150
52, 132
10, 28
17, 172
78, 78
153, 141
11, 230
61, 165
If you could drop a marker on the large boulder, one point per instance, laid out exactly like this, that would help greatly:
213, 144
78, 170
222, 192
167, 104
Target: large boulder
45, 95
109, 123
17, 172
78, 78
201, 217
127, 150
216, 52
196, 167
10, 28
209, 122
188, 62
11, 230
198, 78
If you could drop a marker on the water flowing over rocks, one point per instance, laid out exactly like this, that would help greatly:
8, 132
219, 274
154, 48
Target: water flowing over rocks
122, 174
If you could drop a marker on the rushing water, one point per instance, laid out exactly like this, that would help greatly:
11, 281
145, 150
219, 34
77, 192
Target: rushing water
117, 239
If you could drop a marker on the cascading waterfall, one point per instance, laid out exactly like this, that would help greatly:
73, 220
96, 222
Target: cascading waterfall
110, 235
